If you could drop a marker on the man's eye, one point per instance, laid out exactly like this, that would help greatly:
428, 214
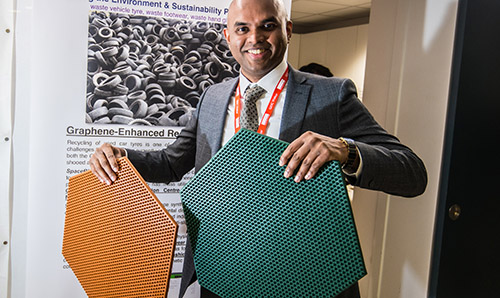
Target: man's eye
269, 26
241, 29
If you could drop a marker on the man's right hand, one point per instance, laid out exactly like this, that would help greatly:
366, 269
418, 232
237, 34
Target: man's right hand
103, 162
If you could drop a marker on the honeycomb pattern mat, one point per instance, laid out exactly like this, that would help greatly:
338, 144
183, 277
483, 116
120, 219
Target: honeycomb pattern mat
255, 233
119, 240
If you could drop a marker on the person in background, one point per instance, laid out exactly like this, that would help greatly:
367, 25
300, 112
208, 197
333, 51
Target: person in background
322, 119
318, 69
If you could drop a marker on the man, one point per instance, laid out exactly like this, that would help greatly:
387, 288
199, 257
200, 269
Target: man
321, 117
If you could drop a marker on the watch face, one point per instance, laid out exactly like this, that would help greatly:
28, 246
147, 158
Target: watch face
349, 141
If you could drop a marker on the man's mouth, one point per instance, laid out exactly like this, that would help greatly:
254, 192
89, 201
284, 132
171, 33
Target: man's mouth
256, 51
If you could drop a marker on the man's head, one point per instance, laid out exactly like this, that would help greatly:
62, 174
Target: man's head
257, 32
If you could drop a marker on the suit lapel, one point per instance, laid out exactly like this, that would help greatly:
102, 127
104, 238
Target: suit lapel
297, 97
218, 111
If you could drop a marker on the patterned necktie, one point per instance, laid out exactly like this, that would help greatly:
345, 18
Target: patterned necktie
249, 117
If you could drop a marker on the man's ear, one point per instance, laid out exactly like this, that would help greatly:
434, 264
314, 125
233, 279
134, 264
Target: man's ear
226, 35
289, 26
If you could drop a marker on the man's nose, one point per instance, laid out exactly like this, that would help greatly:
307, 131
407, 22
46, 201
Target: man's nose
257, 36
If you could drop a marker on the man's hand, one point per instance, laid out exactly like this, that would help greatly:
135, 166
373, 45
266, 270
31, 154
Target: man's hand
103, 162
309, 153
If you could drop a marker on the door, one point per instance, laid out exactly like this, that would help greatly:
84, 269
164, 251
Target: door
466, 256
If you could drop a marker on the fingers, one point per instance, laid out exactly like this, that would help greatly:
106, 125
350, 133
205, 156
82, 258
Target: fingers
104, 164
290, 150
297, 153
312, 163
307, 154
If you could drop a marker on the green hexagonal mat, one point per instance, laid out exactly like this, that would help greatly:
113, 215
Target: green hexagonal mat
255, 233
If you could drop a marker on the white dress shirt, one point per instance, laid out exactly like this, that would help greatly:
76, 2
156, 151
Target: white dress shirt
268, 82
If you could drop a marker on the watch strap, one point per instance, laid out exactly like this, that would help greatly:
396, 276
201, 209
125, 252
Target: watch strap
352, 152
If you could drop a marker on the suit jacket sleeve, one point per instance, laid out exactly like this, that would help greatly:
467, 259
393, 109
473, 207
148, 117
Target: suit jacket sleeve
172, 163
198, 141
388, 165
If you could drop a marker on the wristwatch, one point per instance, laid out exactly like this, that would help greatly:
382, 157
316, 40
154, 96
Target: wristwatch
352, 151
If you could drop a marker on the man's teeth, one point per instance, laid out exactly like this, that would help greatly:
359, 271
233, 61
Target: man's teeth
256, 52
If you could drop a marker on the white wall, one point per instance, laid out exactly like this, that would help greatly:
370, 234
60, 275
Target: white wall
342, 50
6, 67
294, 50
409, 54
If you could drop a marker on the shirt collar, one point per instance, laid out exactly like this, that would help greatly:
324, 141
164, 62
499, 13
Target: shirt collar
269, 81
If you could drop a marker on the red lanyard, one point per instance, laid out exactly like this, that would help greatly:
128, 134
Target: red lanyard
270, 107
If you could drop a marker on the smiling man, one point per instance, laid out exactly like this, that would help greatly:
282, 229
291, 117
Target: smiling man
258, 36
321, 118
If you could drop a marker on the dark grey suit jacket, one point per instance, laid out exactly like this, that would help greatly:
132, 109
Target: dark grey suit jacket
328, 106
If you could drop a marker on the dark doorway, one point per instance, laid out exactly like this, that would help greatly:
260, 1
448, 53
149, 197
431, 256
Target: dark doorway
466, 256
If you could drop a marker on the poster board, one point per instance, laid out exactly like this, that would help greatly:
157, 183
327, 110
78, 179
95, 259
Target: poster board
59, 124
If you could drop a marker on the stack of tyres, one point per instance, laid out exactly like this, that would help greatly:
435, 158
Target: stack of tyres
152, 70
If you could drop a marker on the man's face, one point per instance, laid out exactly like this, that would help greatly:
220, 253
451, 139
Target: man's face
257, 33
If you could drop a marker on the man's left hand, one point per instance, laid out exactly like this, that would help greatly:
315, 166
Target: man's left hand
309, 153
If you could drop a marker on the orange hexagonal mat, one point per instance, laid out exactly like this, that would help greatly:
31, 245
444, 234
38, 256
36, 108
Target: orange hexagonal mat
119, 240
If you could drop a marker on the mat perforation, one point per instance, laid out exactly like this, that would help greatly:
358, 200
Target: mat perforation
255, 233
119, 240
